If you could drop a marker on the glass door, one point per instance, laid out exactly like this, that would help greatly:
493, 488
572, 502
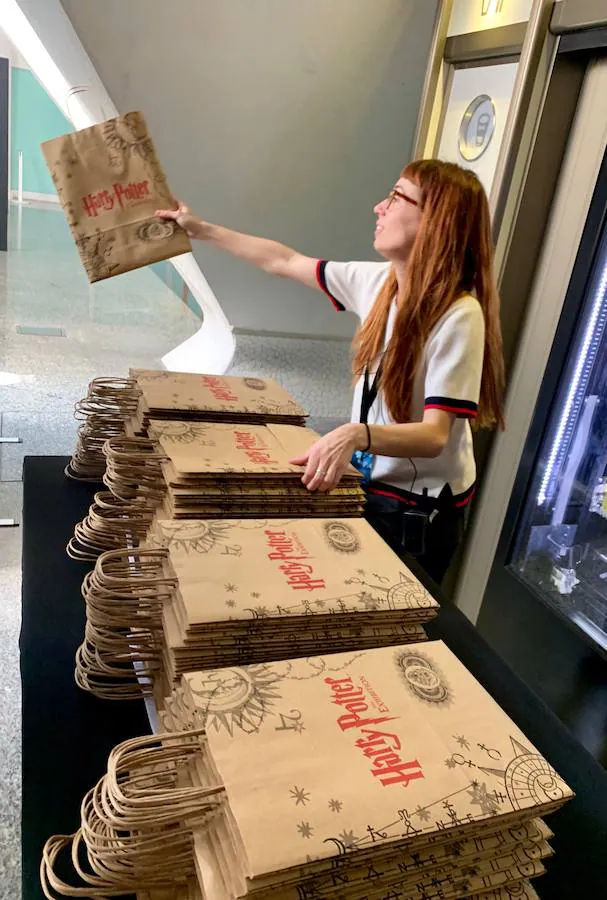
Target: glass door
560, 546
544, 609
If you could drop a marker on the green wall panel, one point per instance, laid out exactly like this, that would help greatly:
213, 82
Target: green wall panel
34, 118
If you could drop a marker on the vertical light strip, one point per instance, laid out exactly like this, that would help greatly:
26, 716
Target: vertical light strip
584, 363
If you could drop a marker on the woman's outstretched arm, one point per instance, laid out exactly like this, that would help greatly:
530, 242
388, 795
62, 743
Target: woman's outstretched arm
271, 256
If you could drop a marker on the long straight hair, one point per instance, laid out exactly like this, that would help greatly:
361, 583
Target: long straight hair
452, 255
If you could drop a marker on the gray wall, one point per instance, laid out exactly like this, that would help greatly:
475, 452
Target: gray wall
288, 118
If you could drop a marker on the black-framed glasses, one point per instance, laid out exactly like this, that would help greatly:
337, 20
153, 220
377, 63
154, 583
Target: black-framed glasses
395, 194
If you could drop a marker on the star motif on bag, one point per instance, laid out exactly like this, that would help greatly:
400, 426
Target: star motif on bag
479, 797
369, 601
305, 829
300, 796
348, 840
335, 805
423, 814
231, 588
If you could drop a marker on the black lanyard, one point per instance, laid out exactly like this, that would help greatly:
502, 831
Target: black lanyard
369, 393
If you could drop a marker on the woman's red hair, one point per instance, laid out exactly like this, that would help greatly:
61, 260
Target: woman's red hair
452, 255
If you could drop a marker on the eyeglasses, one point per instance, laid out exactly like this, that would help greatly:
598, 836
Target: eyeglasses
395, 194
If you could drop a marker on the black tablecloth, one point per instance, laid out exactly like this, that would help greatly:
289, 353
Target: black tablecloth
67, 734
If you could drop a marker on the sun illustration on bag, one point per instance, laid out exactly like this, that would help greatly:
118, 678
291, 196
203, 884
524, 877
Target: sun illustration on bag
180, 432
236, 699
144, 375
196, 536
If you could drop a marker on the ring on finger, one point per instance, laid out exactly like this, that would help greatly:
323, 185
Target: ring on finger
321, 471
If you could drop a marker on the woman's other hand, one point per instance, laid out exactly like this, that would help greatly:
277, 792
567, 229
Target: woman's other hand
328, 459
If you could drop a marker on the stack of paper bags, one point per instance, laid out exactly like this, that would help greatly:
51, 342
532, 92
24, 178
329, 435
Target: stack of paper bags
520, 890
204, 470
387, 774
117, 406
251, 591
210, 593
244, 471
211, 398
207, 470
384, 774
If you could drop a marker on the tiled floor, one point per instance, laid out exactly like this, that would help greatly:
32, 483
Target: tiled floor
129, 321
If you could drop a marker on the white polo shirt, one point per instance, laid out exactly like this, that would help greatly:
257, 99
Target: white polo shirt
448, 377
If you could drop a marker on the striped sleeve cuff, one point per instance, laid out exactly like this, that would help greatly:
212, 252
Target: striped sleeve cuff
463, 409
321, 266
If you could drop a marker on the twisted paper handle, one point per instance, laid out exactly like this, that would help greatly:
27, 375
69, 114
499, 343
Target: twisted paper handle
137, 823
122, 515
111, 523
125, 595
104, 412
134, 469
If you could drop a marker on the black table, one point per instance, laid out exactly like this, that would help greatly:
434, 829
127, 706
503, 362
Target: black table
67, 734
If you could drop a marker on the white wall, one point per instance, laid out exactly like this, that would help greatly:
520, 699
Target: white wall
285, 118
10, 52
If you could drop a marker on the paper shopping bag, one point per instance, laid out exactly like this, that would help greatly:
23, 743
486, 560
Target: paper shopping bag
110, 183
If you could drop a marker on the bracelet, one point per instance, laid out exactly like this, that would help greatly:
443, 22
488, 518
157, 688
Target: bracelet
368, 447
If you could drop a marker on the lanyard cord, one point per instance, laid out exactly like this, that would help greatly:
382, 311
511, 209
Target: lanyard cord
369, 395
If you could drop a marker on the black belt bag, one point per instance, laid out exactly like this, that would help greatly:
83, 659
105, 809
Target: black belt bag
406, 528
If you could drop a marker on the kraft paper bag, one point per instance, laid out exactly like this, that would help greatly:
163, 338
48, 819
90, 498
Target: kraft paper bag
262, 590
301, 568
387, 774
251, 460
110, 183
379, 746
216, 398
232, 592
184, 467
381, 774
200, 448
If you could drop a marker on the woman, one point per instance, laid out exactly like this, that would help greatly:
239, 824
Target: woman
427, 355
